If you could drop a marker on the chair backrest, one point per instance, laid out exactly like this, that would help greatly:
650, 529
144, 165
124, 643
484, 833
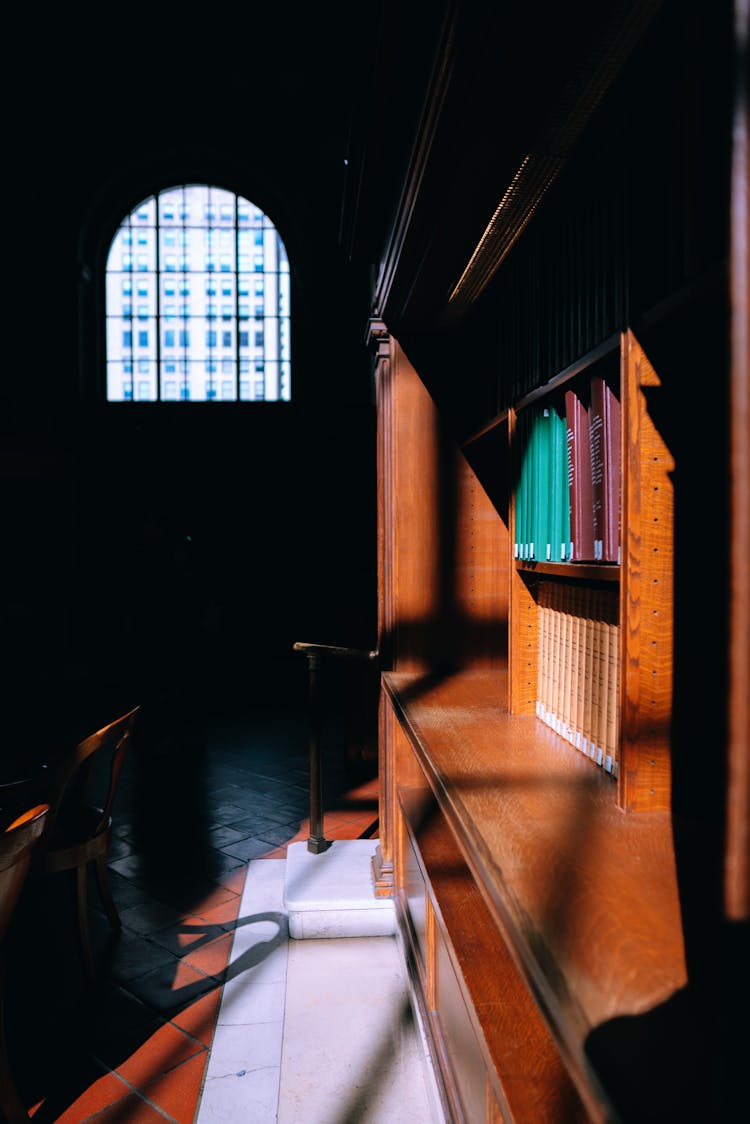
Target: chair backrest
73, 773
16, 844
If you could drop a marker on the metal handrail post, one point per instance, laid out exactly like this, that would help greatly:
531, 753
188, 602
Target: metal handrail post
316, 841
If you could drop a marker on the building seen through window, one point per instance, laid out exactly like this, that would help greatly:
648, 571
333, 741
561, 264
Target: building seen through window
181, 262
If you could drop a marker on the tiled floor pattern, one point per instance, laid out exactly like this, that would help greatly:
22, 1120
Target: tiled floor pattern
189, 817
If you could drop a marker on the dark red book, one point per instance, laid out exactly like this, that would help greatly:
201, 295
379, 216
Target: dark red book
579, 479
604, 441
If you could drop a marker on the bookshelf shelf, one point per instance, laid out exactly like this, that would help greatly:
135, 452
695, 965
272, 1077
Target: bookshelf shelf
573, 571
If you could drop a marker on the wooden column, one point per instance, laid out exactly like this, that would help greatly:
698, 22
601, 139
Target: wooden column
379, 341
737, 848
646, 593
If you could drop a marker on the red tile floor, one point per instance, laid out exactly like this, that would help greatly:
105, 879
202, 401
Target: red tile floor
133, 1046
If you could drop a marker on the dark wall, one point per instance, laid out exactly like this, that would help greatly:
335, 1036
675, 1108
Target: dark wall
135, 535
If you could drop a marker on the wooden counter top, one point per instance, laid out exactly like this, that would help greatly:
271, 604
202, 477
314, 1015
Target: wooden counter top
584, 894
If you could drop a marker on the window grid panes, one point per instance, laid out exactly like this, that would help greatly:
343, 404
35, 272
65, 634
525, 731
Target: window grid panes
210, 319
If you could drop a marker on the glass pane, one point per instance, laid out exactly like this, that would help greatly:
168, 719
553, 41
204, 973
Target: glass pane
144, 382
270, 251
283, 294
271, 380
285, 381
119, 338
270, 339
284, 342
119, 382
223, 202
145, 213
144, 338
197, 200
170, 205
271, 295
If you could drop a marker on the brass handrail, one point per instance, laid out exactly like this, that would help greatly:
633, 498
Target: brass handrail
314, 653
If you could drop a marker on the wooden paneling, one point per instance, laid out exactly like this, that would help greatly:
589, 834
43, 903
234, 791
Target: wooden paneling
443, 559
382, 863
646, 603
497, 1022
523, 656
414, 894
522, 648
460, 1051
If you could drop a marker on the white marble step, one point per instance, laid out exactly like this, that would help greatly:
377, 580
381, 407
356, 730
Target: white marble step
332, 894
313, 1031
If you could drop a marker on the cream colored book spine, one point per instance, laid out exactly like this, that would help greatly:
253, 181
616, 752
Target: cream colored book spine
542, 662
554, 655
603, 685
573, 726
581, 738
594, 679
563, 680
612, 692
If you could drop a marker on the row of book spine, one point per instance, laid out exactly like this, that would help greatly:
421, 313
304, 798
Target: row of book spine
578, 681
542, 494
568, 495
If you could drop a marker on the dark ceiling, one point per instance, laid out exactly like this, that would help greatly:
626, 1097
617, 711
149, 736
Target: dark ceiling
309, 109
278, 88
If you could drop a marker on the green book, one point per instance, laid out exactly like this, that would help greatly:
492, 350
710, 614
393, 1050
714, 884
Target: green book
545, 468
520, 488
566, 546
527, 485
555, 485
538, 520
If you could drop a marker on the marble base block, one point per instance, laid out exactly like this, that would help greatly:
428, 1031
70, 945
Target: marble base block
332, 894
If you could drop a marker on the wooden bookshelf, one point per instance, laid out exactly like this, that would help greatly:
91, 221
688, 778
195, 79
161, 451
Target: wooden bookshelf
532, 892
645, 583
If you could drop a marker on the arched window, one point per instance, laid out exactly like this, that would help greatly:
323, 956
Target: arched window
197, 301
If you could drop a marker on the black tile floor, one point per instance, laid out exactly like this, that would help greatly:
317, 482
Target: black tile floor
191, 810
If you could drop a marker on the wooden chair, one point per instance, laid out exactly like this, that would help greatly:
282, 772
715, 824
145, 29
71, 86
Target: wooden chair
16, 846
79, 832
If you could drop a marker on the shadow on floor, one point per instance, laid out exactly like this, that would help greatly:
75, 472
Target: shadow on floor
193, 807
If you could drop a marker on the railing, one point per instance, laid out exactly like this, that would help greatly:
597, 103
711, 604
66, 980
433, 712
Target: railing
317, 842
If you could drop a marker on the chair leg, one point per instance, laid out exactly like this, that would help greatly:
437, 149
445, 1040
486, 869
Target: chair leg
83, 920
105, 891
11, 1105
